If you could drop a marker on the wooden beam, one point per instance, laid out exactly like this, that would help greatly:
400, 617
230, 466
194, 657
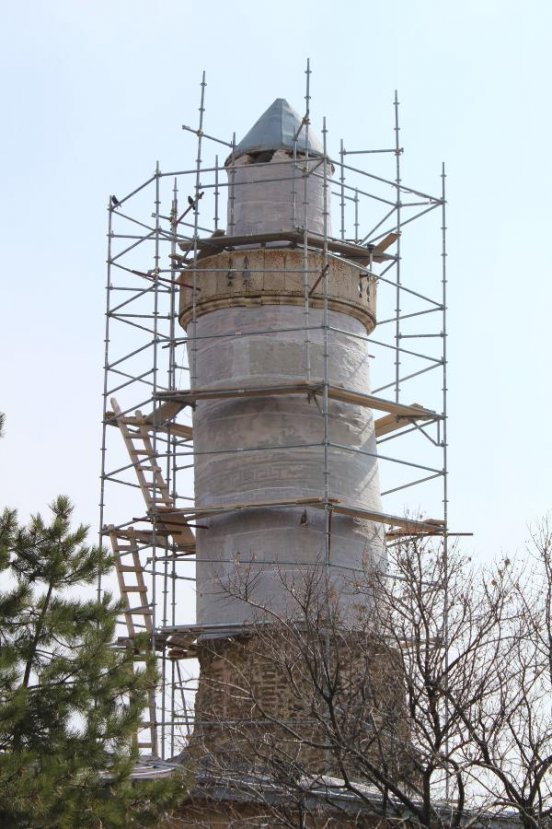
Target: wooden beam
199, 512
396, 534
413, 526
371, 401
427, 525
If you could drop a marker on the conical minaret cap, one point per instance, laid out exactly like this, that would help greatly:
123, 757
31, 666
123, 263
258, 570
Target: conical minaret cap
276, 130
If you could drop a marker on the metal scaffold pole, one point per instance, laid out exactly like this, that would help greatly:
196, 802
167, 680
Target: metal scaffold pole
398, 206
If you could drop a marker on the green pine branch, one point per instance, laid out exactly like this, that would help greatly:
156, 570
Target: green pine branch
70, 702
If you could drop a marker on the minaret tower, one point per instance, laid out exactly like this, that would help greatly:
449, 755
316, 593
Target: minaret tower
286, 477
274, 347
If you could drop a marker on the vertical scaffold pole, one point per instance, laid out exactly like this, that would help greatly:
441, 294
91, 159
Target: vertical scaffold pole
232, 190
170, 573
193, 367
444, 334
306, 261
342, 182
398, 260
444, 430
326, 351
217, 193
156, 315
105, 381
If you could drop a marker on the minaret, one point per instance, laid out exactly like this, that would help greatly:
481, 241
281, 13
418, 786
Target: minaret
277, 326
277, 314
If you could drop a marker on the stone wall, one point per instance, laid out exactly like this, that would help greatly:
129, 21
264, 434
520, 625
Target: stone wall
260, 706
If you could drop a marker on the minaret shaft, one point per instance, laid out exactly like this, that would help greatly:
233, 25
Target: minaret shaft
271, 317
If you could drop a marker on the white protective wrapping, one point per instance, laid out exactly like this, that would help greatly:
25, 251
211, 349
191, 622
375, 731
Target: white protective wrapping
277, 196
270, 548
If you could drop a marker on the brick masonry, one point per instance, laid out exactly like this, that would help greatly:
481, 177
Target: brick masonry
261, 704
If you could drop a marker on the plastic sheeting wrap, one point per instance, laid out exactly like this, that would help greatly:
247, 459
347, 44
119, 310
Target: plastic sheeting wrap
271, 197
272, 448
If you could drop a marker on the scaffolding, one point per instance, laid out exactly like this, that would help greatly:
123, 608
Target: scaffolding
157, 236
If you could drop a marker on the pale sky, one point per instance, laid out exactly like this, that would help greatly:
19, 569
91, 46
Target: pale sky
94, 93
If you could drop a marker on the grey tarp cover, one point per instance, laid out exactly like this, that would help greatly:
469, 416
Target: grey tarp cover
276, 130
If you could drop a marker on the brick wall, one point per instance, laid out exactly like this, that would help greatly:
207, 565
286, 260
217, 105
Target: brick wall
262, 705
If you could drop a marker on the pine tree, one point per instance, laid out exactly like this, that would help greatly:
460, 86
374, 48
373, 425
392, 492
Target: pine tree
69, 700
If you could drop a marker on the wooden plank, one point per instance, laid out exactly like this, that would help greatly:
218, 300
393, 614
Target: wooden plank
428, 525
163, 413
144, 536
410, 524
347, 249
190, 396
393, 535
176, 525
237, 507
385, 243
379, 403
161, 416
178, 429
414, 410
391, 422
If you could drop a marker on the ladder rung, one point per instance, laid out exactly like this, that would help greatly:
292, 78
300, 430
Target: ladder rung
126, 568
136, 588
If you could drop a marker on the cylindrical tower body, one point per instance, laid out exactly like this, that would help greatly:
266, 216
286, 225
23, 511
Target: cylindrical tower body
286, 475
274, 328
269, 192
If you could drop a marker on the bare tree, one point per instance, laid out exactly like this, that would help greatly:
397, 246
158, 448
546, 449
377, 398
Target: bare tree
430, 708
511, 731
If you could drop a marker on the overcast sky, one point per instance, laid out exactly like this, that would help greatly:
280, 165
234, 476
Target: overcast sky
94, 93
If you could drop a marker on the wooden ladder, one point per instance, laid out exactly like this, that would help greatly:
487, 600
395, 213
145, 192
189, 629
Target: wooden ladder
136, 435
136, 432
138, 614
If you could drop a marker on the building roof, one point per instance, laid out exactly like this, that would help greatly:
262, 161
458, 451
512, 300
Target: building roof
152, 768
329, 793
276, 130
